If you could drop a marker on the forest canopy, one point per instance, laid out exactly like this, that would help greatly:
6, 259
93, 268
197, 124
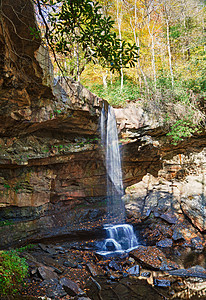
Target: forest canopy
151, 50
80, 26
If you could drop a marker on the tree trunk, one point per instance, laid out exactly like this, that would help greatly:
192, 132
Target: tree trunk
78, 73
169, 51
138, 66
153, 61
151, 33
119, 21
104, 79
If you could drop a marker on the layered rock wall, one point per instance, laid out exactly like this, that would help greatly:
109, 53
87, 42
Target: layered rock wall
49, 163
169, 202
52, 173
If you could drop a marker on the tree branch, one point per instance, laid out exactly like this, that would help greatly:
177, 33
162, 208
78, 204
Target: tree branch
50, 45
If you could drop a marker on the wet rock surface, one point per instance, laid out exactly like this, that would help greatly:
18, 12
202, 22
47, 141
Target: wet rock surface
95, 270
165, 243
196, 271
153, 258
162, 282
118, 277
70, 287
135, 270
47, 273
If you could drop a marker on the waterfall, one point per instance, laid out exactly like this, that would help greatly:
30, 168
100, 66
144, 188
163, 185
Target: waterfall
109, 138
120, 236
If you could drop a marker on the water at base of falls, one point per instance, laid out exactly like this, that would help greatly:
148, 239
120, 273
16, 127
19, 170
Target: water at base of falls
120, 239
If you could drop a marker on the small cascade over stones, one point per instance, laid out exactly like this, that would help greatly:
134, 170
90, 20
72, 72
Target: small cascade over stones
120, 236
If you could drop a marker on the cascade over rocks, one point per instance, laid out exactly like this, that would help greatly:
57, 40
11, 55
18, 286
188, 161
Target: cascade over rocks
52, 174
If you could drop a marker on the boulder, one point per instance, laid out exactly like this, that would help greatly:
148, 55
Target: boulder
177, 235
114, 266
43, 247
70, 287
94, 270
47, 273
161, 282
196, 271
166, 243
54, 289
134, 271
197, 243
169, 217
146, 274
153, 258
70, 263
194, 208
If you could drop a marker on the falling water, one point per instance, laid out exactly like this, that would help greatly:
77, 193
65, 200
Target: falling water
120, 236
109, 137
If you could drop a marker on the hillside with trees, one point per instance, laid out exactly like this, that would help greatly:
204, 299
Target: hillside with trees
152, 51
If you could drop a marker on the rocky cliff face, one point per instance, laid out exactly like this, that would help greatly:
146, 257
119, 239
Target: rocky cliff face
169, 199
50, 169
52, 174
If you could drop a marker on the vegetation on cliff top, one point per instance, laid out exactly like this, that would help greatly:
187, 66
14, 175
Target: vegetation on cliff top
152, 51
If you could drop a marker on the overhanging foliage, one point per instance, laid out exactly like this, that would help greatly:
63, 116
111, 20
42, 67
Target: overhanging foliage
82, 24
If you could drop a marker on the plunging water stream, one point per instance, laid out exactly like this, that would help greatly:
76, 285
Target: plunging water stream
109, 137
120, 236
